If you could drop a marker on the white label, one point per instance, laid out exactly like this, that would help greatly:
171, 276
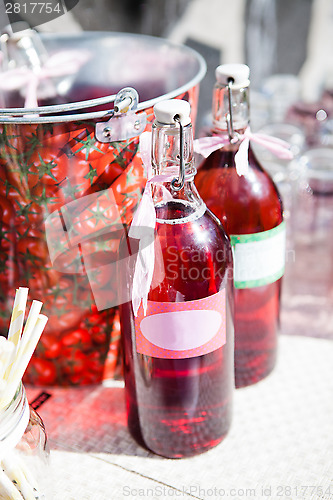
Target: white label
179, 330
259, 258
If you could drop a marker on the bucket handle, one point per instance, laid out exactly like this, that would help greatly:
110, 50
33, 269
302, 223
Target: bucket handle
126, 95
124, 121
59, 108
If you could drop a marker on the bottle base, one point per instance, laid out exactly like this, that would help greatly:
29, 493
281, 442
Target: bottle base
249, 373
158, 448
187, 453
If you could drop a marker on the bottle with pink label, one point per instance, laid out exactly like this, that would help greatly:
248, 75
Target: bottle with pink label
178, 341
245, 199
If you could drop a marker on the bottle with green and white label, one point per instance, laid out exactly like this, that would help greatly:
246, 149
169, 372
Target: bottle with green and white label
249, 206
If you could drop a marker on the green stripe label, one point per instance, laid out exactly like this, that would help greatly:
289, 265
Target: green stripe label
259, 258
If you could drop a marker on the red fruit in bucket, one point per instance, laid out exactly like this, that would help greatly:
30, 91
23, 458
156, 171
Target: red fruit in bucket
46, 165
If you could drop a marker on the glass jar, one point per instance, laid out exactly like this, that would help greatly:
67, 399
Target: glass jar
23, 450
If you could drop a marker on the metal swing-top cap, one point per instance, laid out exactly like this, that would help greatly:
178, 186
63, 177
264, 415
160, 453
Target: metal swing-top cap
166, 111
238, 74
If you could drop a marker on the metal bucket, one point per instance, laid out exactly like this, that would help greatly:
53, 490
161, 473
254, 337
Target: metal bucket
50, 160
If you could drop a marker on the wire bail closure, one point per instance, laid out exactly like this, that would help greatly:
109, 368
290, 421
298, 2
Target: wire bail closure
178, 184
229, 116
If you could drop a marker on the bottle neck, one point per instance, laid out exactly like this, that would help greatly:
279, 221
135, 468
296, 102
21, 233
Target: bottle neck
166, 161
166, 150
231, 110
14, 418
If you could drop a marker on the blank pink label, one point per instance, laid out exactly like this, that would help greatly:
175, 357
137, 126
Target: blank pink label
180, 330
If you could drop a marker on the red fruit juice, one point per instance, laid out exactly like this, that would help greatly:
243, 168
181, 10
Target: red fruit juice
182, 407
246, 204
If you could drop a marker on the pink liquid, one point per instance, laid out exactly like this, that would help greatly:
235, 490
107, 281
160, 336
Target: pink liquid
246, 204
181, 407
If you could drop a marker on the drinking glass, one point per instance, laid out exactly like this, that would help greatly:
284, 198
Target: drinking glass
285, 173
314, 224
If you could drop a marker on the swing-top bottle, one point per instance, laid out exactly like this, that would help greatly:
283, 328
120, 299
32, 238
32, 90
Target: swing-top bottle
178, 354
250, 209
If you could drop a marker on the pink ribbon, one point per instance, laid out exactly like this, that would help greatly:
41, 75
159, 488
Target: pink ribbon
145, 218
63, 63
207, 145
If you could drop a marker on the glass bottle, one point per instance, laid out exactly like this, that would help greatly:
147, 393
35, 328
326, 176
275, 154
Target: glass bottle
178, 358
250, 209
23, 450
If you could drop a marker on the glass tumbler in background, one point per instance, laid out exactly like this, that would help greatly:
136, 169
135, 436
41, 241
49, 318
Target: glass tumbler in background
314, 223
286, 174
326, 134
315, 198
281, 91
310, 288
310, 116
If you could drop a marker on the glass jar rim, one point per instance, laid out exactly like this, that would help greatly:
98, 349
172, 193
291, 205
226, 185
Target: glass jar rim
14, 419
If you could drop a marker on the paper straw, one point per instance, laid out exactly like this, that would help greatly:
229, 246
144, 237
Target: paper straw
28, 328
16, 321
15, 334
35, 309
16, 353
3, 367
16, 475
25, 352
7, 349
28, 474
16, 480
3, 386
7, 488
16, 326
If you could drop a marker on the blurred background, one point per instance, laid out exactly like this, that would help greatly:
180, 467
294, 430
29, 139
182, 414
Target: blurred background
275, 37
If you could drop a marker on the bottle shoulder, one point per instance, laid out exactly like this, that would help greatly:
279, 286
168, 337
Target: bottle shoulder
224, 159
244, 204
193, 259
220, 168
201, 228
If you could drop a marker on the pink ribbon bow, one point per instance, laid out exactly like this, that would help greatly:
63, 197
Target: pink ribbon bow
207, 145
145, 218
63, 63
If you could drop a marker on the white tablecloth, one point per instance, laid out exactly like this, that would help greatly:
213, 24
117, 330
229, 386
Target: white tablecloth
280, 445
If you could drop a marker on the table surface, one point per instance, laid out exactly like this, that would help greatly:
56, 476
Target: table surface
280, 444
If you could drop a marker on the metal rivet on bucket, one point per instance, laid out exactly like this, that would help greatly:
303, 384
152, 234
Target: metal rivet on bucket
124, 122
